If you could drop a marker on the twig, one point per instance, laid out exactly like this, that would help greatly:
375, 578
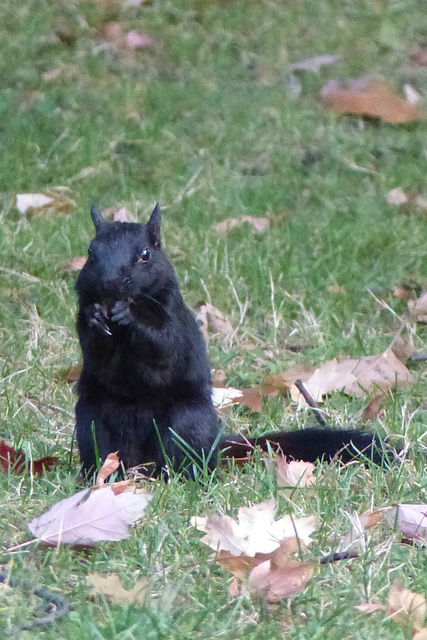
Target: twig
20, 274
318, 412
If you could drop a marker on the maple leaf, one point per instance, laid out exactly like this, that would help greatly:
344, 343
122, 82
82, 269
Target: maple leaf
90, 516
295, 473
255, 531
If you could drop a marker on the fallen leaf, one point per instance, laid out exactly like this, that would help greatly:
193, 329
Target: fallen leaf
406, 607
26, 201
410, 519
11, 459
314, 64
224, 397
402, 292
89, 517
411, 95
371, 607
29, 203
135, 40
356, 539
357, 377
420, 202
111, 588
336, 288
372, 409
212, 321
121, 215
259, 224
120, 40
72, 374
418, 308
295, 473
14, 460
397, 196
367, 97
255, 530
109, 466
76, 264
282, 582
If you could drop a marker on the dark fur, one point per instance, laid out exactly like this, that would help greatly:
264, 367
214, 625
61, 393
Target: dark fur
146, 375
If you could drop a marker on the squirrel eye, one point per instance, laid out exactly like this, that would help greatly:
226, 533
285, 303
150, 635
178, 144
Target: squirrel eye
144, 256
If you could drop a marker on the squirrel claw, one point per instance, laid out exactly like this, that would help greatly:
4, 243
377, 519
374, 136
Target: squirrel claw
121, 313
97, 318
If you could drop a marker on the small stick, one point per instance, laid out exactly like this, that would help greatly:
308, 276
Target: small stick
318, 412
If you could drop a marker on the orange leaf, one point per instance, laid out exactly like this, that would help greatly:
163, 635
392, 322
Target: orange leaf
370, 98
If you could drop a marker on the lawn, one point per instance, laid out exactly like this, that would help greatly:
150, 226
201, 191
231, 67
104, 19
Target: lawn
211, 121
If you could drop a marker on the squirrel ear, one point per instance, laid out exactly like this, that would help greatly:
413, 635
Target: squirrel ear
153, 227
96, 216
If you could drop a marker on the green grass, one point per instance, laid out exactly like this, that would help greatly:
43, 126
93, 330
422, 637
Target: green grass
212, 102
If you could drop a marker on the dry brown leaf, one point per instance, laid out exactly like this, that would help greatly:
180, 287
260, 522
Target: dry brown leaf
259, 224
212, 321
355, 377
373, 408
109, 466
403, 348
76, 264
278, 583
420, 635
370, 98
336, 288
295, 473
72, 374
418, 308
406, 607
371, 607
402, 292
111, 588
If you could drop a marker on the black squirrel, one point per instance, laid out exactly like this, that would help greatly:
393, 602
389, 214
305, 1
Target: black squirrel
145, 386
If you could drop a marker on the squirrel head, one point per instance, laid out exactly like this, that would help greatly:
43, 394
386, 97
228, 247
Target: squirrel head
125, 260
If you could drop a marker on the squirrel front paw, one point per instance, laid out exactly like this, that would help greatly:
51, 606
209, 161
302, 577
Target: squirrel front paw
97, 316
121, 313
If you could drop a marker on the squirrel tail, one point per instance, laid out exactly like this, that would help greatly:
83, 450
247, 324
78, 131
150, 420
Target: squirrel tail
311, 445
